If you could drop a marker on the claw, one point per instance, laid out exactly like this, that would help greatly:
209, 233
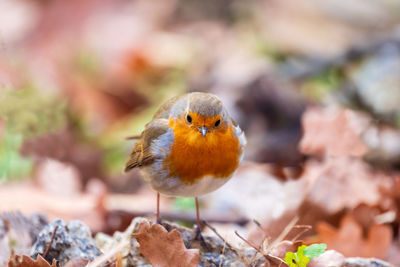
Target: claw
199, 237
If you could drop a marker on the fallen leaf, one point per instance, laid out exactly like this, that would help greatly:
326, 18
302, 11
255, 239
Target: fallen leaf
366, 215
338, 183
333, 131
283, 247
26, 261
165, 249
348, 239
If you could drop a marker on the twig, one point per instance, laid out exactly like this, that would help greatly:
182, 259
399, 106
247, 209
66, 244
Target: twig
285, 231
249, 243
266, 238
272, 258
257, 223
267, 256
223, 239
51, 241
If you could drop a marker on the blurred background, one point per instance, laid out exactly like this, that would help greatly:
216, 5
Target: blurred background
314, 84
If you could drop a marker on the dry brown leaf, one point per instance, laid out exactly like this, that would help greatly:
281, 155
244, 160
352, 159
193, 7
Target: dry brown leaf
349, 239
164, 249
340, 182
366, 215
26, 261
332, 131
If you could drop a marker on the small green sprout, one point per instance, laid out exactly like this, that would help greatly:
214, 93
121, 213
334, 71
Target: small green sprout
304, 254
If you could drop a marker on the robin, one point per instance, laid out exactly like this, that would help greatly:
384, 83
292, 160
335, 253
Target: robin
191, 147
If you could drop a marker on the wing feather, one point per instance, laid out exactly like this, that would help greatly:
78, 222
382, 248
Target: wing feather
141, 153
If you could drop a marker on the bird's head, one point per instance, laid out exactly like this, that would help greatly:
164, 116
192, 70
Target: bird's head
200, 116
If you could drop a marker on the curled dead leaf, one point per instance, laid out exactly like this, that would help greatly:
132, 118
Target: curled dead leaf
349, 240
164, 249
26, 261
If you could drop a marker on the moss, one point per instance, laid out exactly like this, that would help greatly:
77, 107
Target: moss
24, 113
28, 112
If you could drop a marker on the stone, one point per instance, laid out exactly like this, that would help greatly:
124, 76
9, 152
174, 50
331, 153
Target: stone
328, 258
71, 241
365, 262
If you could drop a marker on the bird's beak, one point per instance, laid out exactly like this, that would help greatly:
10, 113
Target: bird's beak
203, 130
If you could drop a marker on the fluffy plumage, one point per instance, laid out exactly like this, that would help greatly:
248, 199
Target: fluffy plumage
176, 158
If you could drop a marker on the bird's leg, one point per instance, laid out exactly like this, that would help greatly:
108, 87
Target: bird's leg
158, 209
199, 227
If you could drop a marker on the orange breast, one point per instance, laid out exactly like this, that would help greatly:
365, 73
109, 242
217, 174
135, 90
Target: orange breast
194, 156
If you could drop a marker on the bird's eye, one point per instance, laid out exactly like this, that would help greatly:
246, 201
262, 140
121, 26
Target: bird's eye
217, 123
188, 118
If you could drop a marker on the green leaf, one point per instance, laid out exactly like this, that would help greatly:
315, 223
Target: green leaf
290, 259
303, 261
314, 250
297, 259
300, 251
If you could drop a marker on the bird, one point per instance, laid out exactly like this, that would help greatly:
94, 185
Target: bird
191, 147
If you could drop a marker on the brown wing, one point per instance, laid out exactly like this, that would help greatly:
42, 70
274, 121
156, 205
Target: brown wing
141, 154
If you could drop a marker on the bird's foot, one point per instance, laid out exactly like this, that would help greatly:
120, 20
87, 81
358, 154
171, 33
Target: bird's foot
198, 236
197, 233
